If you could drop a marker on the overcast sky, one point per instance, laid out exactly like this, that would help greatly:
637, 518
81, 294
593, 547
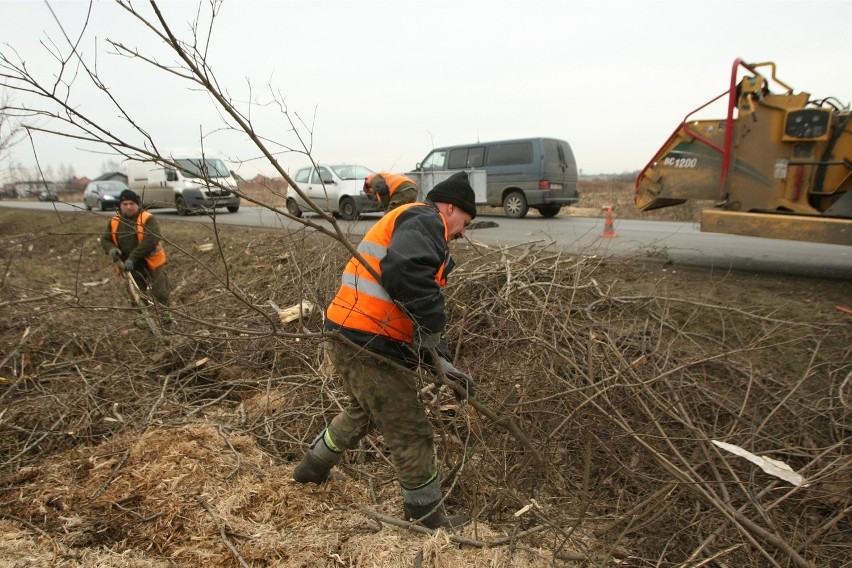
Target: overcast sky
380, 83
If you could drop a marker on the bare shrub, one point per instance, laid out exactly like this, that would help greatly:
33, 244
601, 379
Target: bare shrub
615, 381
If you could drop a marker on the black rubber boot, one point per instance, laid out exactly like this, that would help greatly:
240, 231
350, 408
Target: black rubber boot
436, 519
421, 505
316, 465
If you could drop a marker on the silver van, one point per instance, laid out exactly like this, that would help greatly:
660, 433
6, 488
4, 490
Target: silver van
538, 173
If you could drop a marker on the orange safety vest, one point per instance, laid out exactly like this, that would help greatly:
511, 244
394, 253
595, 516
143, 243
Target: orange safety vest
396, 180
157, 257
361, 302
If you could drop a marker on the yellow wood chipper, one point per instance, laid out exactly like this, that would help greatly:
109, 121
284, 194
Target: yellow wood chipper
778, 166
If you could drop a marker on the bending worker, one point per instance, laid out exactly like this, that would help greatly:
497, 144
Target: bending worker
399, 317
392, 190
133, 239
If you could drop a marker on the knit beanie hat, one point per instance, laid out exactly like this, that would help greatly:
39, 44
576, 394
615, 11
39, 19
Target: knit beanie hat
455, 189
129, 195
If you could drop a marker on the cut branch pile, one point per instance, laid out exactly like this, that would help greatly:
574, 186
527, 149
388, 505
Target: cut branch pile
601, 387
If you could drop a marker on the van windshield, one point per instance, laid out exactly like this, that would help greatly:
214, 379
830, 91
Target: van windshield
435, 160
197, 168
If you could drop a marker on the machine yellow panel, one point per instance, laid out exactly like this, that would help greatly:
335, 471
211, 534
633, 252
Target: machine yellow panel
774, 226
778, 165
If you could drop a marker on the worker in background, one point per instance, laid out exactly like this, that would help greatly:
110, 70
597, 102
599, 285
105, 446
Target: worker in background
399, 317
133, 240
392, 190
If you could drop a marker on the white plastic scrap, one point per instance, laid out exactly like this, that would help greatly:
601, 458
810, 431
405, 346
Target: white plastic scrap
301, 310
525, 508
772, 467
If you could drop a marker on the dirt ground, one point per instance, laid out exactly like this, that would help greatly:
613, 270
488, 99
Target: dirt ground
602, 385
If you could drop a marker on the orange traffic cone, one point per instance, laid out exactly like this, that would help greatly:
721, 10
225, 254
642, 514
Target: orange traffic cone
609, 231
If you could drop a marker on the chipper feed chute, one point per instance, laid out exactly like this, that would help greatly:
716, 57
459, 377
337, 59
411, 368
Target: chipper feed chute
784, 158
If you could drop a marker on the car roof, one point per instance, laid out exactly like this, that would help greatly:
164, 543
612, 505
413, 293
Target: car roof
334, 165
493, 142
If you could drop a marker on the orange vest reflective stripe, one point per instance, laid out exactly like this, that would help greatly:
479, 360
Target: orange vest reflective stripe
361, 302
157, 257
396, 180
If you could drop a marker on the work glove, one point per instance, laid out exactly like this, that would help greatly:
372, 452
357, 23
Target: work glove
463, 379
128, 265
424, 341
115, 254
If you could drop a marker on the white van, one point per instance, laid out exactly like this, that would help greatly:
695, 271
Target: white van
199, 184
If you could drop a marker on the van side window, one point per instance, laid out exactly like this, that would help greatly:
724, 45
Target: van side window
458, 159
510, 154
461, 158
476, 157
435, 161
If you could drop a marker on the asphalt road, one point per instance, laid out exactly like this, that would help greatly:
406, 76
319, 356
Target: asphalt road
676, 242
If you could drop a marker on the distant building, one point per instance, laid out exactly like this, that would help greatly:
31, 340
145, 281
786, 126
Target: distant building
79, 184
112, 176
267, 181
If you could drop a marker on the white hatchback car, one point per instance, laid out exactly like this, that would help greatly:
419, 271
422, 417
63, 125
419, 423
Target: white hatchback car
338, 189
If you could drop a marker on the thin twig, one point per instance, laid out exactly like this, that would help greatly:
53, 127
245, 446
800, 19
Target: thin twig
454, 538
222, 532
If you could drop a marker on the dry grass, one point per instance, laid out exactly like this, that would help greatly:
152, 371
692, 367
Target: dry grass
596, 194
272, 194
118, 449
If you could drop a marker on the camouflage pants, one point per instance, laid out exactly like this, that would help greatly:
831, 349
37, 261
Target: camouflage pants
385, 398
156, 279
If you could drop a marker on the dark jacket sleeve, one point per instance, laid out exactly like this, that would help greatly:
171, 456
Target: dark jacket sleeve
416, 252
